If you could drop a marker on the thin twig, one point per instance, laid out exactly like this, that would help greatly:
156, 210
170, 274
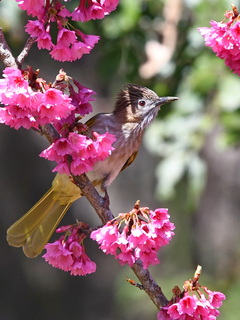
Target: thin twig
5, 53
135, 284
149, 284
21, 57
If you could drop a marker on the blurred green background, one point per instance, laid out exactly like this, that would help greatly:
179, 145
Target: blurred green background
189, 162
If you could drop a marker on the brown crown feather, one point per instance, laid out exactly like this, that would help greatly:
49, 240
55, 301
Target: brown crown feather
130, 94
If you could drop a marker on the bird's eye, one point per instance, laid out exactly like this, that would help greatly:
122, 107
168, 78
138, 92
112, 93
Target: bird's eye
141, 103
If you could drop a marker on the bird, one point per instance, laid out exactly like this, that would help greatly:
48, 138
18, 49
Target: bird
135, 109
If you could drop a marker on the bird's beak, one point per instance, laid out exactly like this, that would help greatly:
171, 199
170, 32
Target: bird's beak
163, 100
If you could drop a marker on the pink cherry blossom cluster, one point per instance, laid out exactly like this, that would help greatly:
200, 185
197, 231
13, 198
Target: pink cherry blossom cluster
70, 44
27, 108
68, 253
144, 233
76, 153
193, 307
224, 40
29, 101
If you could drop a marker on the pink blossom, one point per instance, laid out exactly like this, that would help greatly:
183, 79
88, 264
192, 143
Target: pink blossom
93, 9
79, 166
33, 7
35, 28
66, 37
58, 255
175, 311
163, 315
13, 80
138, 239
107, 237
215, 298
45, 42
96, 11
68, 253
78, 147
101, 145
28, 108
110, 5
192, 307
149, 258
15, 94
224, 40
54, 96
70, 45
126, 258
7, 118
88, 10
188, 305
89, 40
78, 49
70, 48
81, 96
63, 12
83, 265
61, 53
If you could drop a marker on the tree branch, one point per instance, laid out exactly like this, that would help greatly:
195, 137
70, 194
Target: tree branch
49, 132
5, 53
149, 284
100, 204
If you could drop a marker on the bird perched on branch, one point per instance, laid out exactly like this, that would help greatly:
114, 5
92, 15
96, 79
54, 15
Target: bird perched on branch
135, 108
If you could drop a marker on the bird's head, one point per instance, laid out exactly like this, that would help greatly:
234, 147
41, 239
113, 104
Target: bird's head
139, 104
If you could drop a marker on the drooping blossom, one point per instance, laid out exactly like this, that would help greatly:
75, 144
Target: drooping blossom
81, 97
93, 9
138, 234
192, 307
83, 152
195, 302
68, 253
33, 7
224, 39
70, 45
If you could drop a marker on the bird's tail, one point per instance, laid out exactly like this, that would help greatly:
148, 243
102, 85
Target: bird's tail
33, 230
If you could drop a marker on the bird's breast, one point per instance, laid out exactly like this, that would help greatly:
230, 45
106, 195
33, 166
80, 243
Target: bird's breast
128, 139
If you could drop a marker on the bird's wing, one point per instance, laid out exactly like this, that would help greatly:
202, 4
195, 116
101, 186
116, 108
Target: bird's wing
130, 160
91, 121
